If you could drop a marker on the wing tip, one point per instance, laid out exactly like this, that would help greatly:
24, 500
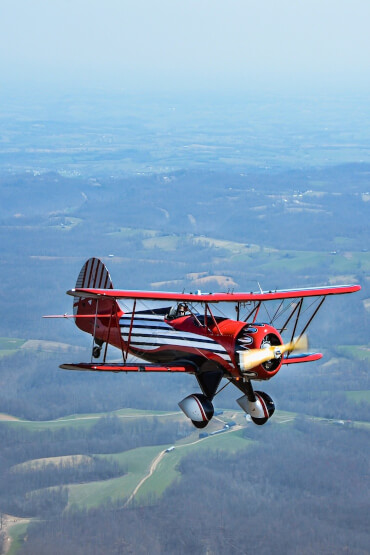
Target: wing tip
302, 357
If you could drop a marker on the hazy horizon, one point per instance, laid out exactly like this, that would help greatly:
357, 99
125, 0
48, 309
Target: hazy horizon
187, 46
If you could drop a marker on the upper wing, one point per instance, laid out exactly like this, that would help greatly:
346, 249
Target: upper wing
215, 297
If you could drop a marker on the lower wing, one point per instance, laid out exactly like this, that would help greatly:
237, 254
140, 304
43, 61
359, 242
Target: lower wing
119, 367
301, 357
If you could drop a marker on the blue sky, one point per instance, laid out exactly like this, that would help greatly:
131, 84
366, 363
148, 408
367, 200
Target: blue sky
188, 43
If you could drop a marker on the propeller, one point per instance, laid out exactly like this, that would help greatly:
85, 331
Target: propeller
254, 357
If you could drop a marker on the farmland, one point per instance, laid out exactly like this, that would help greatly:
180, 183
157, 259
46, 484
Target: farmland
210, 196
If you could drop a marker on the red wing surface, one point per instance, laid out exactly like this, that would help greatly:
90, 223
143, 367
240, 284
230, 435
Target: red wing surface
109, 367
214, 297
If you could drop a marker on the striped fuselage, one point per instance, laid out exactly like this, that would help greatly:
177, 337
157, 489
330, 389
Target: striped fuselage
153, 337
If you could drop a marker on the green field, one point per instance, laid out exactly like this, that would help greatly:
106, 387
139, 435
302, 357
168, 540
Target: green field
358, 396
85, 420
164, 242
135, 462
10, 345
265, 258
293, 261
133, 232
360, 352
167, 471
17, 534
67, 224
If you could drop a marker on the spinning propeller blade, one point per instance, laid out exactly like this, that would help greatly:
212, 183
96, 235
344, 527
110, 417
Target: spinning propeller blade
254, 357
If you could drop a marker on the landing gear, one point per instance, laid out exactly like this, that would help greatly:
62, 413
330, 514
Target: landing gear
198, 408
257, 404
200, 425
96, 351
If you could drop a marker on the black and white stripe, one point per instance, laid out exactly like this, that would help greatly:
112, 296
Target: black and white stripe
150, 331
94, 274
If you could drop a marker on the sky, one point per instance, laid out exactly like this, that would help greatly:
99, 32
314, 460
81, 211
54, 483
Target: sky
187, 44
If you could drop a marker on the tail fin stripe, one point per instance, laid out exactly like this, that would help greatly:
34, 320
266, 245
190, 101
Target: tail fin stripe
95, 271
87, 268
99, 275
93, 274
81, 276
103, 275
104, 272
96, 275
91, 265
86, 273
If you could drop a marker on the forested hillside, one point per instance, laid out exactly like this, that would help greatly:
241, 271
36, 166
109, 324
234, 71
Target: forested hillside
94, 463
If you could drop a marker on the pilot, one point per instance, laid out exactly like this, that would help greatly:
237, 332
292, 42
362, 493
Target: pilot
181, 310
177, 311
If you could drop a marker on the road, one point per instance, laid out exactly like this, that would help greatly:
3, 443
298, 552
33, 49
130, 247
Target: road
159, 457
7, 522
152, 468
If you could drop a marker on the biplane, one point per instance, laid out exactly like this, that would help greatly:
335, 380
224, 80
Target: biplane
191, 335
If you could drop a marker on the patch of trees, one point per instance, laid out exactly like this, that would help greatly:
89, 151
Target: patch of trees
109, 435
319, 389
34, 388
19, 493
18, 486
43, 503
301, 489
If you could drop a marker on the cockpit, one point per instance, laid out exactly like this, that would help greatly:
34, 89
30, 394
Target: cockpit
178, 311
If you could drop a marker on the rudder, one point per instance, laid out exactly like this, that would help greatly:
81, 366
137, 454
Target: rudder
93, 275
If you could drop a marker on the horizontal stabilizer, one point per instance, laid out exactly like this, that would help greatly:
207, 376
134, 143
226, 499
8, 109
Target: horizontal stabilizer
302, 357
120, 367
77, 316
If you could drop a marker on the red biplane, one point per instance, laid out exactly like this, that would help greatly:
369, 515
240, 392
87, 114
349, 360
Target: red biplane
189, 336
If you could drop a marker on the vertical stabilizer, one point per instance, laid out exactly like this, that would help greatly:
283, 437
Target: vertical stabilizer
93, 274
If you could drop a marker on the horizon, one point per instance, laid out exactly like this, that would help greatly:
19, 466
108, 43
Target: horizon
188, 46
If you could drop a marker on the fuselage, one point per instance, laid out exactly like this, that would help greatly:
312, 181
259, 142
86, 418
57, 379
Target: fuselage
165, 335
158, 336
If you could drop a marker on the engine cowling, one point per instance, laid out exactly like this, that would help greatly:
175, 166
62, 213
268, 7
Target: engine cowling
258, 336
198, 408
259, 410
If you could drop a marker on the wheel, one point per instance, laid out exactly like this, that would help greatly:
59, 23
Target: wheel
96, 352
200, 424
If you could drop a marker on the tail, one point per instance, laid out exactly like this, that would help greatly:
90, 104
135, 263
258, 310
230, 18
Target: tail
93, 274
